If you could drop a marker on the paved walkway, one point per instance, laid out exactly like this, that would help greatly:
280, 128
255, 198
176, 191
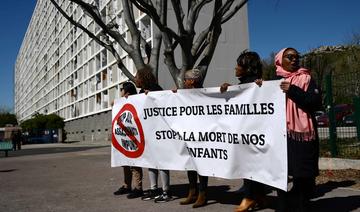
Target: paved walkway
78, 177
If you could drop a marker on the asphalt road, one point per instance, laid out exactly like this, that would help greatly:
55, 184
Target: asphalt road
78, 177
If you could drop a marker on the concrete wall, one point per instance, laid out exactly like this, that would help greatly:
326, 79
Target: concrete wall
93, 128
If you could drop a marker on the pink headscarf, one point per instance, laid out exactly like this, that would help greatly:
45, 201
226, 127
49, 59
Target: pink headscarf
299, 123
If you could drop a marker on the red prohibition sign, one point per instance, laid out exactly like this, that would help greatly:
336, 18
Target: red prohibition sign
140, 144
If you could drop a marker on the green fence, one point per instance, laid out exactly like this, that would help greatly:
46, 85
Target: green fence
339, 125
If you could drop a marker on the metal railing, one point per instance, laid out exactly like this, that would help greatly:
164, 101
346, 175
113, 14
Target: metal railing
340, 133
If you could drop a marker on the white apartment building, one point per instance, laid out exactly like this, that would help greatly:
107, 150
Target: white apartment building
59, 69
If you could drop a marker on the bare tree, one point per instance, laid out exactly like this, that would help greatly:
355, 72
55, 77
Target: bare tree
197, 48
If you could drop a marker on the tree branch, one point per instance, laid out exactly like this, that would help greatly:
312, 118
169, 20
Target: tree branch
135, 35
157, 37
76, 24
227, 17
179, 14
168, 46
151, 12
202, 40
199, 42
96, 39
93, 12
204, 45
213, 37
130, 20
225, 7
193, 15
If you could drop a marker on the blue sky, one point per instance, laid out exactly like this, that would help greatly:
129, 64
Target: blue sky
304, 24
14, 19
273, 24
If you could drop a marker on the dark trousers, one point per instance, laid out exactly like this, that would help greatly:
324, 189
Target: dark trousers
14, 145
253, 189
298, 198
133, 174
18, 145
203, 180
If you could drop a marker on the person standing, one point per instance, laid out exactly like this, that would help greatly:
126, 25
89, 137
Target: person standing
147, 82
303, 98
130, 172
16, 139
249, 69
19, 139
197, 194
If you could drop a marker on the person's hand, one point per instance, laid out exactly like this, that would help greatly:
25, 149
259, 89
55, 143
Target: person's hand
284, 86
224, 87
146, 92
259, 82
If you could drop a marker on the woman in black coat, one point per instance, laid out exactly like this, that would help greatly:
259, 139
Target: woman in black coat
303, 98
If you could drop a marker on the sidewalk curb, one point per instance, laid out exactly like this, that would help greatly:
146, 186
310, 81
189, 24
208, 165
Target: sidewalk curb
338, 163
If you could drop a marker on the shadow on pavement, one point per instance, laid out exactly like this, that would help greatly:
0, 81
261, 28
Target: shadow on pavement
47, 150
216, 194
222, 195
343, 204
179, 191
324, 188
8, 170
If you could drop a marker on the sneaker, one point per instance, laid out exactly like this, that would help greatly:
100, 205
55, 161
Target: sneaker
150, 194
122, 190
135, 194
164, 197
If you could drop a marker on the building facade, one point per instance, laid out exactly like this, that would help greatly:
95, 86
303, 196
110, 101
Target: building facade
59, 69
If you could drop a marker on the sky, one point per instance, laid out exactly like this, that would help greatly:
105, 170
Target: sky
273, 25
13, 23
301, 24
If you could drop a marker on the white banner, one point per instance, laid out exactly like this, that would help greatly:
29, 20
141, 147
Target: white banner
237, 134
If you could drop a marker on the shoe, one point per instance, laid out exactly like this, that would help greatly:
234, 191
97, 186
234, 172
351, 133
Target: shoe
135, 194
122, 190
164, 197
245, 205
191, 198
150, 194
201, 200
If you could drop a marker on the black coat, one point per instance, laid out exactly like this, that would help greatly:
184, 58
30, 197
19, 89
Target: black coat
303, 156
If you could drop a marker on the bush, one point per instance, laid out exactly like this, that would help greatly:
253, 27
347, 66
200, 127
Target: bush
40, 122
7, 118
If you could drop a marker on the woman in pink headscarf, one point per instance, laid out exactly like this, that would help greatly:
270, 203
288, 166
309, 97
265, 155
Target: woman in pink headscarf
303, 98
